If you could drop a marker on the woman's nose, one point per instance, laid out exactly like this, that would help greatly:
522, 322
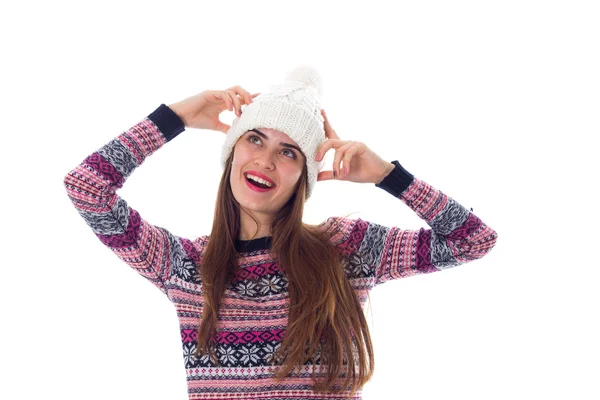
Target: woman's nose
264, 160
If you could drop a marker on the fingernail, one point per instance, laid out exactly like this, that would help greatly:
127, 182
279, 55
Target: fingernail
335, 174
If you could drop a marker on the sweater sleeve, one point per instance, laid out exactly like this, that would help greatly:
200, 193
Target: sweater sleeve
152, 251
379, 253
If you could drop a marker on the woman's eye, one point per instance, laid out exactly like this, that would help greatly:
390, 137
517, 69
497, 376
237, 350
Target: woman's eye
293, 155
253, 137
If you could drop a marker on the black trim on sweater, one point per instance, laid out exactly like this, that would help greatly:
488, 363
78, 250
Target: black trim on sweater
167, 122
397, 180
248, 246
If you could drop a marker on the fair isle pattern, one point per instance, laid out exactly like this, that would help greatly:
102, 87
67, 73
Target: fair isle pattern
381, 253
253, 315
148, 249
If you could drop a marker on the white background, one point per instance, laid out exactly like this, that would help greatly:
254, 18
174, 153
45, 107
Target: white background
494, 103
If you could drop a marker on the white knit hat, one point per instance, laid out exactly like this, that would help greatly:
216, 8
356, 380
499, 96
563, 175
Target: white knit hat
292, 108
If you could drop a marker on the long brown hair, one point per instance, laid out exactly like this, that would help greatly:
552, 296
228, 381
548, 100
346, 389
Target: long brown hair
324, 311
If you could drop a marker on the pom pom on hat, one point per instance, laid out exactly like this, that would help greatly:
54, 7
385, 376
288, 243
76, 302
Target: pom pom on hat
307, 75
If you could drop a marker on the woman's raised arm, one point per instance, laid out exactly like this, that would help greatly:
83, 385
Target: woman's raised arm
152, 251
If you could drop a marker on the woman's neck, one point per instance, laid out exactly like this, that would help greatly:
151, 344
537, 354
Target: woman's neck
249, 230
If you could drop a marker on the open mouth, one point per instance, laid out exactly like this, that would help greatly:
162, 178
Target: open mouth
259, 186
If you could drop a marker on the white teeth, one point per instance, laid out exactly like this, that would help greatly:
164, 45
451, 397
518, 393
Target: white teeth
257, 179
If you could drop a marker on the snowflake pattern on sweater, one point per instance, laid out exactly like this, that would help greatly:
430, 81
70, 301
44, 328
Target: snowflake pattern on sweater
253, 314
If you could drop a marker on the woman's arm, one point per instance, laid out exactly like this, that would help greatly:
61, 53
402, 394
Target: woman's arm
381, 253
152, 251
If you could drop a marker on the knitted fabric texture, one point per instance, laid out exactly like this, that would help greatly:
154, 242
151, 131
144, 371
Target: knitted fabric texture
292, 108
254, 312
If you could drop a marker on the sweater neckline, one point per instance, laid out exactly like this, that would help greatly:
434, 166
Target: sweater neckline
261, 243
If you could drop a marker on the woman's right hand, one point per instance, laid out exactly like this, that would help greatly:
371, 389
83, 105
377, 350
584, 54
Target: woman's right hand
202, 111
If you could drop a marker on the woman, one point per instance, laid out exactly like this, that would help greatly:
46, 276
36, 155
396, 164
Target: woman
280, 300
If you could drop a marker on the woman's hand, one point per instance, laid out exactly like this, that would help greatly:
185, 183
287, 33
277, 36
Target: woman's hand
202, 110
361, 164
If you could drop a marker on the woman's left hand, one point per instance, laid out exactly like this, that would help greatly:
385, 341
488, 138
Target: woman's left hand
361, 164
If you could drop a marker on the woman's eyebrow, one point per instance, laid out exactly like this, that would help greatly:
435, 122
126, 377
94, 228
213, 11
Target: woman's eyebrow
281, 143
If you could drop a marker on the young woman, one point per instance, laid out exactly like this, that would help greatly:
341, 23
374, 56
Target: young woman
270, 307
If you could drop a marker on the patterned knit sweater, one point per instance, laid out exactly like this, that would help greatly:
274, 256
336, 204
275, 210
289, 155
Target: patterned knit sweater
253, 315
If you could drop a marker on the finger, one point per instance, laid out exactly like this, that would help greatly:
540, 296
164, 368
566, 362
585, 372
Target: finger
350, 153
236, 102
329, 131
324, 176
337, 159
331, 143
225, 97
242, 92
255, 94
323, 150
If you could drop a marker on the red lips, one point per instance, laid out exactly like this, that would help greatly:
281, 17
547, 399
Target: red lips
256, 188
266, 178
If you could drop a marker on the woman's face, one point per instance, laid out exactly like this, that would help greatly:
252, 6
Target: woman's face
273, 156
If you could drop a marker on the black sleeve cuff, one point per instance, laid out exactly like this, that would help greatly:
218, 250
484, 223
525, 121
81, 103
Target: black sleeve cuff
167, 121
397, 180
